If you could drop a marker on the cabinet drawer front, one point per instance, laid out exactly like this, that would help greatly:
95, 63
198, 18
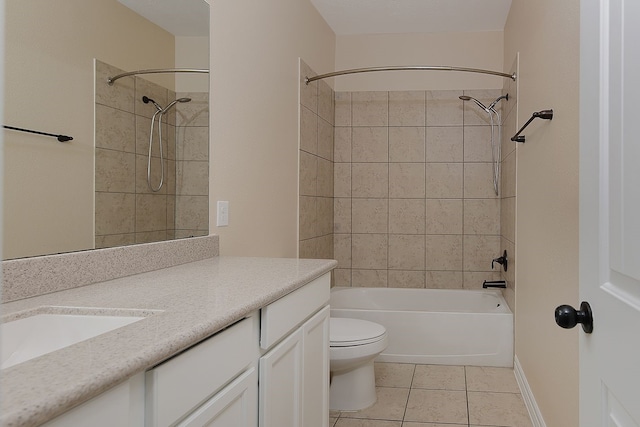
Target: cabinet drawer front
283, 315
180, 384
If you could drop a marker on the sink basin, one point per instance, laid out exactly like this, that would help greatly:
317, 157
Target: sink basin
33, 336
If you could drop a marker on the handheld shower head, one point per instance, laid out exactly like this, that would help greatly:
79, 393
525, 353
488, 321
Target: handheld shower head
493, 104
147, 100
174, 102
478, 103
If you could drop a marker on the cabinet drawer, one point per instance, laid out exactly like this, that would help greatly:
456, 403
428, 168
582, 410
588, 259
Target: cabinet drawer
283, 315
180, 384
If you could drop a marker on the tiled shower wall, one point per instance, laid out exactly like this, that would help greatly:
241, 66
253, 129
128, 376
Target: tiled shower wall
126, 210
414, 204
316, 168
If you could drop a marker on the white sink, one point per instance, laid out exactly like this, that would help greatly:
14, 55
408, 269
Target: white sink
33, 336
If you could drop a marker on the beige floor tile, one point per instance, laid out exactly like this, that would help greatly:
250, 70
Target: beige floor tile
390, 405
334, 414
332, 421
498, 409
437, 406
352, 422
394, 374
439, 377
411, 424
482, 378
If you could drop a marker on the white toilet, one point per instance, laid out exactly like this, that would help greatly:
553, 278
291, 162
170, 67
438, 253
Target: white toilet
354, 345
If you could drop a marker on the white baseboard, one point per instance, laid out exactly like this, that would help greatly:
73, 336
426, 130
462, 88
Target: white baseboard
527, 395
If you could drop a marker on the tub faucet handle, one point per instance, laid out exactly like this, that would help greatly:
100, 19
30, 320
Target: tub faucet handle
503, 261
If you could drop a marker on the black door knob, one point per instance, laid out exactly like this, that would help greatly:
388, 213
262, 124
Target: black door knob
567, 317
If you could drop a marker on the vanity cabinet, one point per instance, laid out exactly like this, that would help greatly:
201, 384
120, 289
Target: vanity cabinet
294, 371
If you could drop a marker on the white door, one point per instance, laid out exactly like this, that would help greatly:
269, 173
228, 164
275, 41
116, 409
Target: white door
610, 212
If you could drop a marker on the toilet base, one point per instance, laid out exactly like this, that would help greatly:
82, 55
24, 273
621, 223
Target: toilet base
353, 389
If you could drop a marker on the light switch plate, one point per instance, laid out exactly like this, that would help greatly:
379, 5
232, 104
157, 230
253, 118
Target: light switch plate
223, 214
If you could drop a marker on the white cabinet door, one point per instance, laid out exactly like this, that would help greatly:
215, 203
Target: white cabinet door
315, 377
281, 384
235, 406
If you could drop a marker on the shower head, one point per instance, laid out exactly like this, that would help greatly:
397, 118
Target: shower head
147, 100
174, 102
478, 103
493, 104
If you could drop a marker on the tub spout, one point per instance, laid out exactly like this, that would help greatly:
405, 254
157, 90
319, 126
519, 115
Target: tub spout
494, 284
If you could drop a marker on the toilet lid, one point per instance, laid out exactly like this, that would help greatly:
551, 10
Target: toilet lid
345, 332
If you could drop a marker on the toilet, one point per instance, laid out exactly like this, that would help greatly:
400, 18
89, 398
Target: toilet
354, 343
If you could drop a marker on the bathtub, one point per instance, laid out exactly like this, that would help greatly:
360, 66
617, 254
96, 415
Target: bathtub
434, 326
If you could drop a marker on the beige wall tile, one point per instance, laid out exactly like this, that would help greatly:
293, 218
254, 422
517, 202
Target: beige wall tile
308, 92
445, 144
370, 215
342, 180
444, 252
325, 247
325, 216
342, 144
151, 236
194, 113
475, 279
308, 130
143, 129
120, 95
444, 280
370, 108
113, 240
508, 176
477, 143
308, 217
192, 213
326, 108
474, 115
181, 234
325, 139
115, 213
342, 215
407, 180
508, 218
171, 213
479, 251
192, 178
406, 252
406, 144
406, 279
482, 216
115, 129
444, 180
342, 277
444, 108
478, 181
308, 248
151, 212
370, 180
170, 177
192, 143
343, 108
308, 174
325, 178
369, 251
115, 171
407, 108
407, 216
171, 142
444, 216
342, 250
369, 278
142, 184
370, 144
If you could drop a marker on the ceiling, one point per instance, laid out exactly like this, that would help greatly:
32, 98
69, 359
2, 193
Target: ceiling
348, 17
184, 18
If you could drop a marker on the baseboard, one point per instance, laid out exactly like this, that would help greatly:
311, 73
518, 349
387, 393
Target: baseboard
527, 395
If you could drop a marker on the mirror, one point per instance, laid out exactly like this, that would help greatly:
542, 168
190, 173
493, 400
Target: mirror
92, 192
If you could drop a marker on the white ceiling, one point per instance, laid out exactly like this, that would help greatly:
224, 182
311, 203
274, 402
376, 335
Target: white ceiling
181, 18
413, 16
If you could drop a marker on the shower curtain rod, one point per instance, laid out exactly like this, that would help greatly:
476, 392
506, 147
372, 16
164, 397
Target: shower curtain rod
111, 80
410, 67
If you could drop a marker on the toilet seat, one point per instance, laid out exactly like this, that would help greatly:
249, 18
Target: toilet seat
344, 332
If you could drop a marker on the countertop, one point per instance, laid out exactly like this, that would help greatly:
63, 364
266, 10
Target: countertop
185, 304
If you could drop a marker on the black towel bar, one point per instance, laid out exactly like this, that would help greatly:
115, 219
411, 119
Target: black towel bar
61, 138
543, 114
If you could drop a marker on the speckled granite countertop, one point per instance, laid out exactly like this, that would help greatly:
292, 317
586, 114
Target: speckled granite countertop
194, 301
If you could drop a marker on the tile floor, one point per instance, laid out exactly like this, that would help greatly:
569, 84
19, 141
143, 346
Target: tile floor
440, 396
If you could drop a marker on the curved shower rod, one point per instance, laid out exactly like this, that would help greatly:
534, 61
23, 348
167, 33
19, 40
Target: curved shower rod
111, 80
409, 67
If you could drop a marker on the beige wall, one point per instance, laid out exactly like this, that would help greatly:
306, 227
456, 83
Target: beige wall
546, 33
254, 118
192, 52
475, 50
50, 46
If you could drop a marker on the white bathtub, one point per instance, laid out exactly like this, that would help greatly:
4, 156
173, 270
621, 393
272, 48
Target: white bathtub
434, 326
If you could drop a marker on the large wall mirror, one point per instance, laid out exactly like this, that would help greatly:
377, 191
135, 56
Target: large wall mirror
102, 189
